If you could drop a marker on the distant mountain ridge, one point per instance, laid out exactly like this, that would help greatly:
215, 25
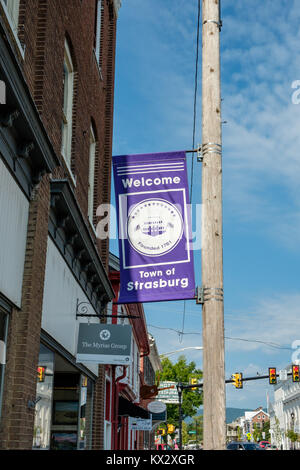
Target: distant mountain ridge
231, 414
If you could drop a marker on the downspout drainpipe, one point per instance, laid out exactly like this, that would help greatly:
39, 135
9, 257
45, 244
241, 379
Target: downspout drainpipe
116, 405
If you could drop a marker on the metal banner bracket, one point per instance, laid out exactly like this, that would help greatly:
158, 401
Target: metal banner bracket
203, 294
198, 151
199, 295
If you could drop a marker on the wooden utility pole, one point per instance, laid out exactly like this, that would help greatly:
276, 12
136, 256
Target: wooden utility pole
214, 418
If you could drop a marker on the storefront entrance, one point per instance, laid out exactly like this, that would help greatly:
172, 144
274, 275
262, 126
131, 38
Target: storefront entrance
63, 408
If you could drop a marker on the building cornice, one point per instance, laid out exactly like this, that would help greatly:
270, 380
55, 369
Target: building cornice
71, 234
28, 151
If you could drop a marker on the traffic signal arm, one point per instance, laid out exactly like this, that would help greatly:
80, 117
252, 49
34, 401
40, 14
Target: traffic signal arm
230, 381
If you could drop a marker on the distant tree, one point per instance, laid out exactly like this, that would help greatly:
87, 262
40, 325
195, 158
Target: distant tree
256, 433
197, 427
185, 435
277, 432
266, 430
181, 371
239, 433
292, 435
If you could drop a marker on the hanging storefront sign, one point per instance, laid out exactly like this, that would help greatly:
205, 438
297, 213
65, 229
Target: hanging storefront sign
156, 258
159, 417
104, 344
168, 392
156, 406
139, 424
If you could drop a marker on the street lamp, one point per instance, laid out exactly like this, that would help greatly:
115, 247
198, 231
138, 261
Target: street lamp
179, 390
293, 428
198, 348
180, 387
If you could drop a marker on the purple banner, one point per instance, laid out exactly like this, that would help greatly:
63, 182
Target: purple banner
156, 257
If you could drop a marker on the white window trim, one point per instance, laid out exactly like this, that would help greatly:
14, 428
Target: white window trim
12, 23
66, 148
107, 435
91, 183
97, 49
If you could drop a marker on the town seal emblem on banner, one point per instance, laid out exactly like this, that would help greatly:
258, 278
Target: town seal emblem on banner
154, 227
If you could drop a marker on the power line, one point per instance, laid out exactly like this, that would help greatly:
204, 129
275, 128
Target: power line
267, 343
273, 345
194, 131
195, 99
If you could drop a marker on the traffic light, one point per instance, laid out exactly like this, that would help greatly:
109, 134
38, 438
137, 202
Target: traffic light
161, 432
193, 381
238, 379
41, 374
295, 373
171, 428
272, 376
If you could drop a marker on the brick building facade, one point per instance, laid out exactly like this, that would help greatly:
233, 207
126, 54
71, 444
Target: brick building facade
57, 64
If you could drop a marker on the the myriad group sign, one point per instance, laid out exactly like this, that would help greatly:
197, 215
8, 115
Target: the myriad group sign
156, 258
104, 344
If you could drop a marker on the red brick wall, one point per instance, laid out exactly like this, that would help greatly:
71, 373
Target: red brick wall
43, 27
260, 417
16, 429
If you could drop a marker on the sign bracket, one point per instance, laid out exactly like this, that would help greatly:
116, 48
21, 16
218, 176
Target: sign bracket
82, 309
199, 153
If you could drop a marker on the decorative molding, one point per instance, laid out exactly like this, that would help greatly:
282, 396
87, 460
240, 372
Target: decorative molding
24, 143
25, 149
71, 234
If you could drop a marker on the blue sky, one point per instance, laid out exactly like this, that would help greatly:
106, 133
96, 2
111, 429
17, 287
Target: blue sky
154, 89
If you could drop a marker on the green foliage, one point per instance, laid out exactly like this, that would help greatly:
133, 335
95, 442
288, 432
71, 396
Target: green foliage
266, 430
277, 431
293, 436
196, 425
182, 371
185, 435
239, 433
257, 432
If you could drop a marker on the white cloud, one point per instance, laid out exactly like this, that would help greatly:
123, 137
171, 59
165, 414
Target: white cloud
274, 321
261, 140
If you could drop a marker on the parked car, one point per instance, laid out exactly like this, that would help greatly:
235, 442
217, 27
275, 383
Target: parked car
243, 446
270, 447
263, 444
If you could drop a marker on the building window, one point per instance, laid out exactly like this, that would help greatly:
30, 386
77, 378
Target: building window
12, 8
67, 106
91, 184
86, 410
97, 35
44, 392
